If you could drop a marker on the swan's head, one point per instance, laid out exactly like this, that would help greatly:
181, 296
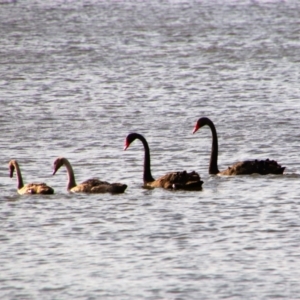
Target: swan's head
200, 123
129, 139
11, 167
57, 164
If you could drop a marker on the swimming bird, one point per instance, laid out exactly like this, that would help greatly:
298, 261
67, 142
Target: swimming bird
173, 180
92, 185
262, 167
29, 188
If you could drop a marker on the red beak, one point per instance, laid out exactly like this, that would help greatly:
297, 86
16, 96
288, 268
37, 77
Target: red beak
195, 128
126, 145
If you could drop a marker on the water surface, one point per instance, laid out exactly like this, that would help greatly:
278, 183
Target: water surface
77, 77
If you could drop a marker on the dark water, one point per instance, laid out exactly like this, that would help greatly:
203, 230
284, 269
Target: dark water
78, 76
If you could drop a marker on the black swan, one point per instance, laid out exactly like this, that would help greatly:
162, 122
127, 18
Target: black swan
247, 167
174, 180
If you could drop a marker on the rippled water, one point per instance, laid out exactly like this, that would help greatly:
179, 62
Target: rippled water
78, 76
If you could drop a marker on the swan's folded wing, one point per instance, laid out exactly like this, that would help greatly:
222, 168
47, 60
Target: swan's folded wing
248, 167
114, 188
179, 180
37, 188
95, 185
87, 185
94, 182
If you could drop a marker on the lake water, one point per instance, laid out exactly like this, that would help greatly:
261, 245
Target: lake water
78, 76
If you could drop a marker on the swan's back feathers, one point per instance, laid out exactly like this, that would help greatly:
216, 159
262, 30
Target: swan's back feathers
113, 188
94, 182
178, 180
95, 185
36, 188
262, 167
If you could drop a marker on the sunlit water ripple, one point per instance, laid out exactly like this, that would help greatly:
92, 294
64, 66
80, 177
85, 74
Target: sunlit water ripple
77, 77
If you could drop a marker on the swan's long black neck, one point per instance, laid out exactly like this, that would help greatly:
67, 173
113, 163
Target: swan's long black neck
213, 165
147, 177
